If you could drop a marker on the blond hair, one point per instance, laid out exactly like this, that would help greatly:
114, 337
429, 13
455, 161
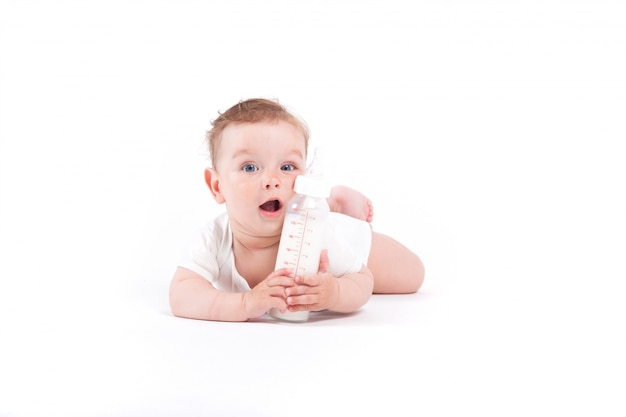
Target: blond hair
256, 110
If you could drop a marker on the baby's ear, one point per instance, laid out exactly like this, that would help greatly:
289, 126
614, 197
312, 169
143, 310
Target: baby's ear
212, 181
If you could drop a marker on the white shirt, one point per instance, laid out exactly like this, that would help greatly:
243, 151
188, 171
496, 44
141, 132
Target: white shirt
210, 253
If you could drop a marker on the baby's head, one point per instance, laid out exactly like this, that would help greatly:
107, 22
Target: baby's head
256, 110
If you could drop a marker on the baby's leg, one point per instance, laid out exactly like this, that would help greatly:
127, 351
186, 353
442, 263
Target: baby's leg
351, 202
396, 269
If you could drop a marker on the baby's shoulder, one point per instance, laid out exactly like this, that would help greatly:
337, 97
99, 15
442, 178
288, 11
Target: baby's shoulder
215, 234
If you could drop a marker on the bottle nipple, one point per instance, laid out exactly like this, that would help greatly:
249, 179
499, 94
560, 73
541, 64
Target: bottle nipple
316, 167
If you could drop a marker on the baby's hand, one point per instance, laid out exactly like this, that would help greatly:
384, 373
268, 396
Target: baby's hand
314, 292
268, 294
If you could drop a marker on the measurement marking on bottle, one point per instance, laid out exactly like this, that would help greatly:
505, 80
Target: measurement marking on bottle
299, 254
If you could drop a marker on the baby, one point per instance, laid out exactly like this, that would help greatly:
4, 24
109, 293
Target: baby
257, 149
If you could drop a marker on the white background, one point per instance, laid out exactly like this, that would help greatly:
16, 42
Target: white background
489, 135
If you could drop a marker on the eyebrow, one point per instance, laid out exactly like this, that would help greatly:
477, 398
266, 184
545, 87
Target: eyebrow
246, 152
241, 152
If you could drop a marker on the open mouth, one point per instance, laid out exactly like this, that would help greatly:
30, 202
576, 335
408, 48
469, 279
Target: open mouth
270, 206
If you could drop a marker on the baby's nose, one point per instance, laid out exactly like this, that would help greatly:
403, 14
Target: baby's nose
271, 182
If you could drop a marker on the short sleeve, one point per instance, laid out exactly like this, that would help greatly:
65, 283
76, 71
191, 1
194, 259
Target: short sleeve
201, 255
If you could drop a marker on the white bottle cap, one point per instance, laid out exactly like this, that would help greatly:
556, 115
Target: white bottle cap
312, 186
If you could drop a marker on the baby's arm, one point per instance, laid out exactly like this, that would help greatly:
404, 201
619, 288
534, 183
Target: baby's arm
322, 291
192, 296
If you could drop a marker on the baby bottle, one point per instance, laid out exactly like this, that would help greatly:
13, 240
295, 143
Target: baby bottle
304, 230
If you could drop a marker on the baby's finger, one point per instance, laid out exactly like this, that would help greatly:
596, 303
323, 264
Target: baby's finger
304, 307
310, 280
302, 300
299, 290
279, 303
279, 281
286, 272
324, 265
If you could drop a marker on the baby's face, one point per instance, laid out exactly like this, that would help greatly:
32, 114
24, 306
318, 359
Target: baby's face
257, 166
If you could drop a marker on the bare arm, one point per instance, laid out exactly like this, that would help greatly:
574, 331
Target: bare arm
354, 291
192, 296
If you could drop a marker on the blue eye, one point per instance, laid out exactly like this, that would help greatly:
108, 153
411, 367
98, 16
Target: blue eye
250, 168
287, 167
